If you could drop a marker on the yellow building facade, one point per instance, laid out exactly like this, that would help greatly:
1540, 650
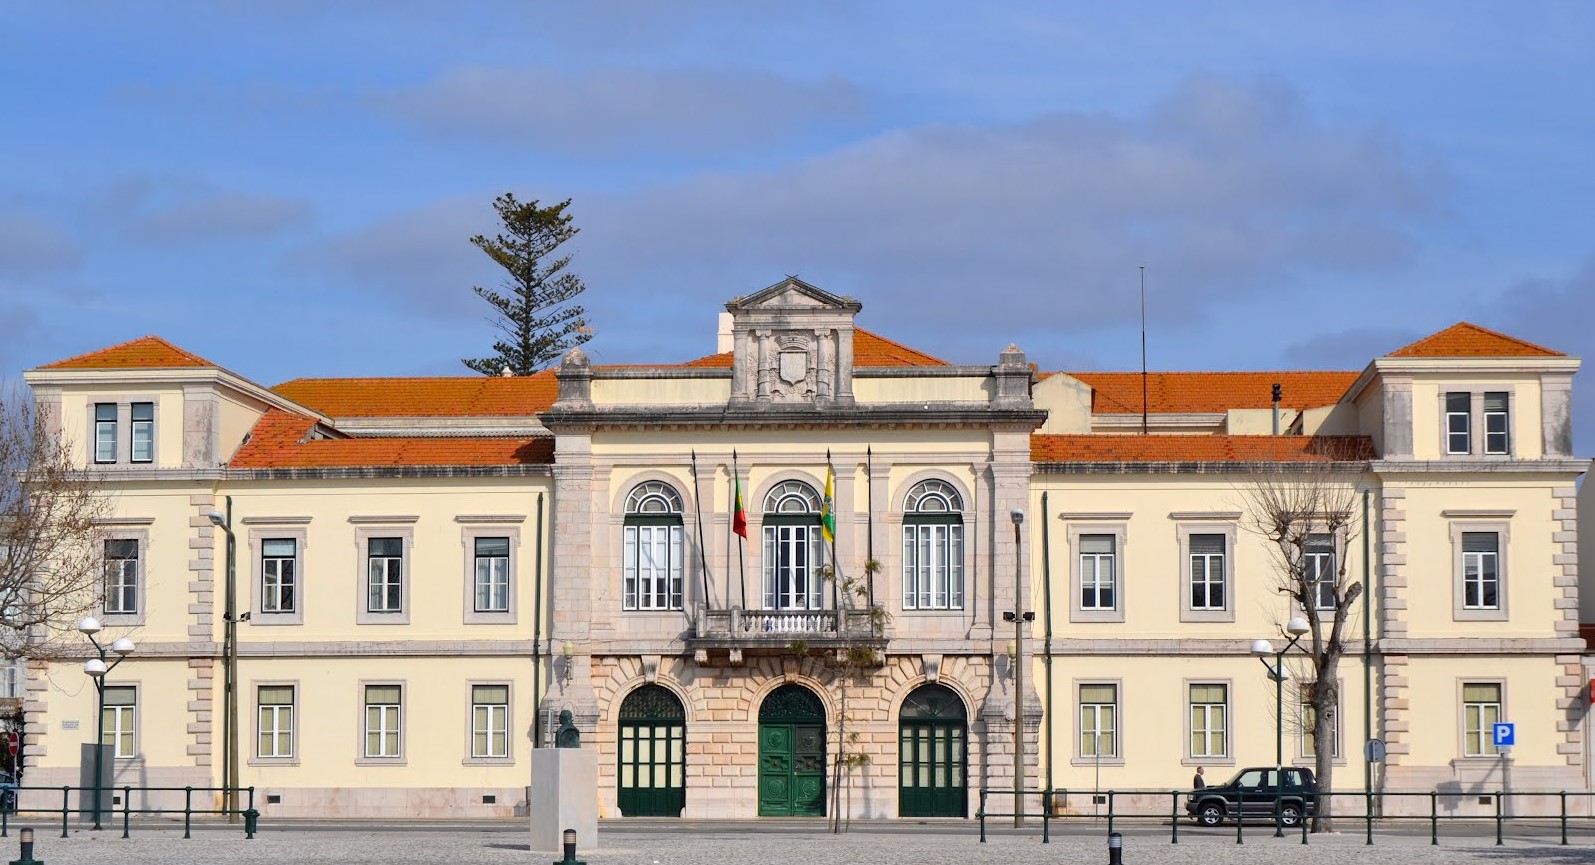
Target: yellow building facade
782, 579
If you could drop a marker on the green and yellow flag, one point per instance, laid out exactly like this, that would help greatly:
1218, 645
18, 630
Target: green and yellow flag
828, 506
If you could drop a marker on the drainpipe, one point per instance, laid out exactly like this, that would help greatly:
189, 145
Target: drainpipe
537, 631
1367, 656
1046, 614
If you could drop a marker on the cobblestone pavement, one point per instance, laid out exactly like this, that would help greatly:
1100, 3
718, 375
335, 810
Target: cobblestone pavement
397, 843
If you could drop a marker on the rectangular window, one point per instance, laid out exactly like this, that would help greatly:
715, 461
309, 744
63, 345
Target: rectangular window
492, 575
121, 576
1481, 711
933, 565
385, 575
276, 727
1207, 572
105, 432
143, 416
1099, 711
1209, 728
1458, 423
1096, 572
121, 707
1309, 719
277, 559
1481, 582
1496, 438
382, 732
1318, 569
490, 710
652, 568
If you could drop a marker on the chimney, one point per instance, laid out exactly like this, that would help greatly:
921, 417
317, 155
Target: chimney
725, 341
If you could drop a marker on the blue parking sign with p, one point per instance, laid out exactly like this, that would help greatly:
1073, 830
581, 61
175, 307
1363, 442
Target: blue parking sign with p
1505, 735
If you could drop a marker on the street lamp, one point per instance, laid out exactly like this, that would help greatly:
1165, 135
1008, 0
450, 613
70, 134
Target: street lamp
97, 669
1297, 627
224, 521
1018, 617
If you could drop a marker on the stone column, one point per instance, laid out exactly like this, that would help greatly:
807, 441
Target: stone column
571, 590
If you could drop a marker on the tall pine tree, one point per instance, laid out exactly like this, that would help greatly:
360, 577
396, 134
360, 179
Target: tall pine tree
535, 312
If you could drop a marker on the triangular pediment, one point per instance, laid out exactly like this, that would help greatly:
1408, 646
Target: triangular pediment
792, 293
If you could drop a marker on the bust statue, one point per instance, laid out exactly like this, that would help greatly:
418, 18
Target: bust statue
567, 736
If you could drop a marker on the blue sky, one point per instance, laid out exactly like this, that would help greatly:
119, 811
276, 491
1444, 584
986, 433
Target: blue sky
287, 187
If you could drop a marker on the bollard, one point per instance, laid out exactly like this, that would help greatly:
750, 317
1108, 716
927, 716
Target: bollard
251, 820
27, 849
1564, 817
569, 836
1174, 817
1115, 849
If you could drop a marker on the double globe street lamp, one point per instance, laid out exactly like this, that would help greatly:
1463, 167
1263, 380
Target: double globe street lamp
97, 670
1297, 628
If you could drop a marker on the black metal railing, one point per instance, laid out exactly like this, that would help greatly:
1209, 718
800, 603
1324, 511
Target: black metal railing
32, 801
1547, 810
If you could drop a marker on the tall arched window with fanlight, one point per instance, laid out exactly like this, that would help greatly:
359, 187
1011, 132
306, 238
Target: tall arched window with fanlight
792, 548
652, 548
933, 547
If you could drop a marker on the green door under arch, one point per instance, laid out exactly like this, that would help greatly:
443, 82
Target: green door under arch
653, 754
932, 751
792, 754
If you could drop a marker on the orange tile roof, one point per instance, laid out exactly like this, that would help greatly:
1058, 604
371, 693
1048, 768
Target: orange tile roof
1205, 392
869, 349
146, 352
1469, 340
1197, 448
453, 396
278, 441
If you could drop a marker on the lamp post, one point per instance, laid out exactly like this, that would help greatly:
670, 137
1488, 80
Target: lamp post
1018, 617
224, 521
97, 670
1297, 627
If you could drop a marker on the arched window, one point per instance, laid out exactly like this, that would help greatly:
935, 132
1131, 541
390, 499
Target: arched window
792, 548
653, 552
933, 547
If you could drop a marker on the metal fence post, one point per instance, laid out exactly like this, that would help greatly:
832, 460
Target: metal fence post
1434, 818
1110, 812
66, 807
1238, 821
1498, 819
127, 808
1564, 817
982, 815
188, 810
1174, 816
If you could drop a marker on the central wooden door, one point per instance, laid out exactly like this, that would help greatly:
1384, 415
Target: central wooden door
653, 754
931, 754
792, 754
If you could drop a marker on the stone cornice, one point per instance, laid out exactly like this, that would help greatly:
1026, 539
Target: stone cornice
944, 414
1464, 465
376, 472
1195, 467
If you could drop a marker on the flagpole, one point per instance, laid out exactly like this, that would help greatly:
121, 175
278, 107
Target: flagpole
828, 526
697, 505
742, 536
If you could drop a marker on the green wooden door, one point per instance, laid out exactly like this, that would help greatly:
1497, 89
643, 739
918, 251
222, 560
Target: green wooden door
932, 750
792, 754
653, 754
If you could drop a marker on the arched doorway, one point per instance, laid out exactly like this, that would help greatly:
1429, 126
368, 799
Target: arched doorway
653, 754
792, 753
932, 751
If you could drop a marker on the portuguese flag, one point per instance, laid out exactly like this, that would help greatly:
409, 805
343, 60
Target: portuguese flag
739, 516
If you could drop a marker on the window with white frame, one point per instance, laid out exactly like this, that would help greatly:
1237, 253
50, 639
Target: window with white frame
1098, 574
1099, 721
383, 716
1309, 722
1207, 554
492, 574
1458, 423
793, 547
121, 576
490, 709
105, 432
275, 729
1209, 708
652, 548
1319, 569
278, 583
120, 719
143, 432
1497, 438
1481, 711
1481, 582
933, 548
384, 575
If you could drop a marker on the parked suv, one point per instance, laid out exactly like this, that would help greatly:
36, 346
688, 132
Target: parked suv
1254, 793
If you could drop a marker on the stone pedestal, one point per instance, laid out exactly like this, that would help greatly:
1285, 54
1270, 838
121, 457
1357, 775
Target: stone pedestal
564, 796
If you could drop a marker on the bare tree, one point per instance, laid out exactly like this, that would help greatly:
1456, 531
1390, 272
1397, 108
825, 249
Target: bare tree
51, 535
1306, 513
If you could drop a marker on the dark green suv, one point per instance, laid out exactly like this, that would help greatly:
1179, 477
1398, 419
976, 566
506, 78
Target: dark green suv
1254, 793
